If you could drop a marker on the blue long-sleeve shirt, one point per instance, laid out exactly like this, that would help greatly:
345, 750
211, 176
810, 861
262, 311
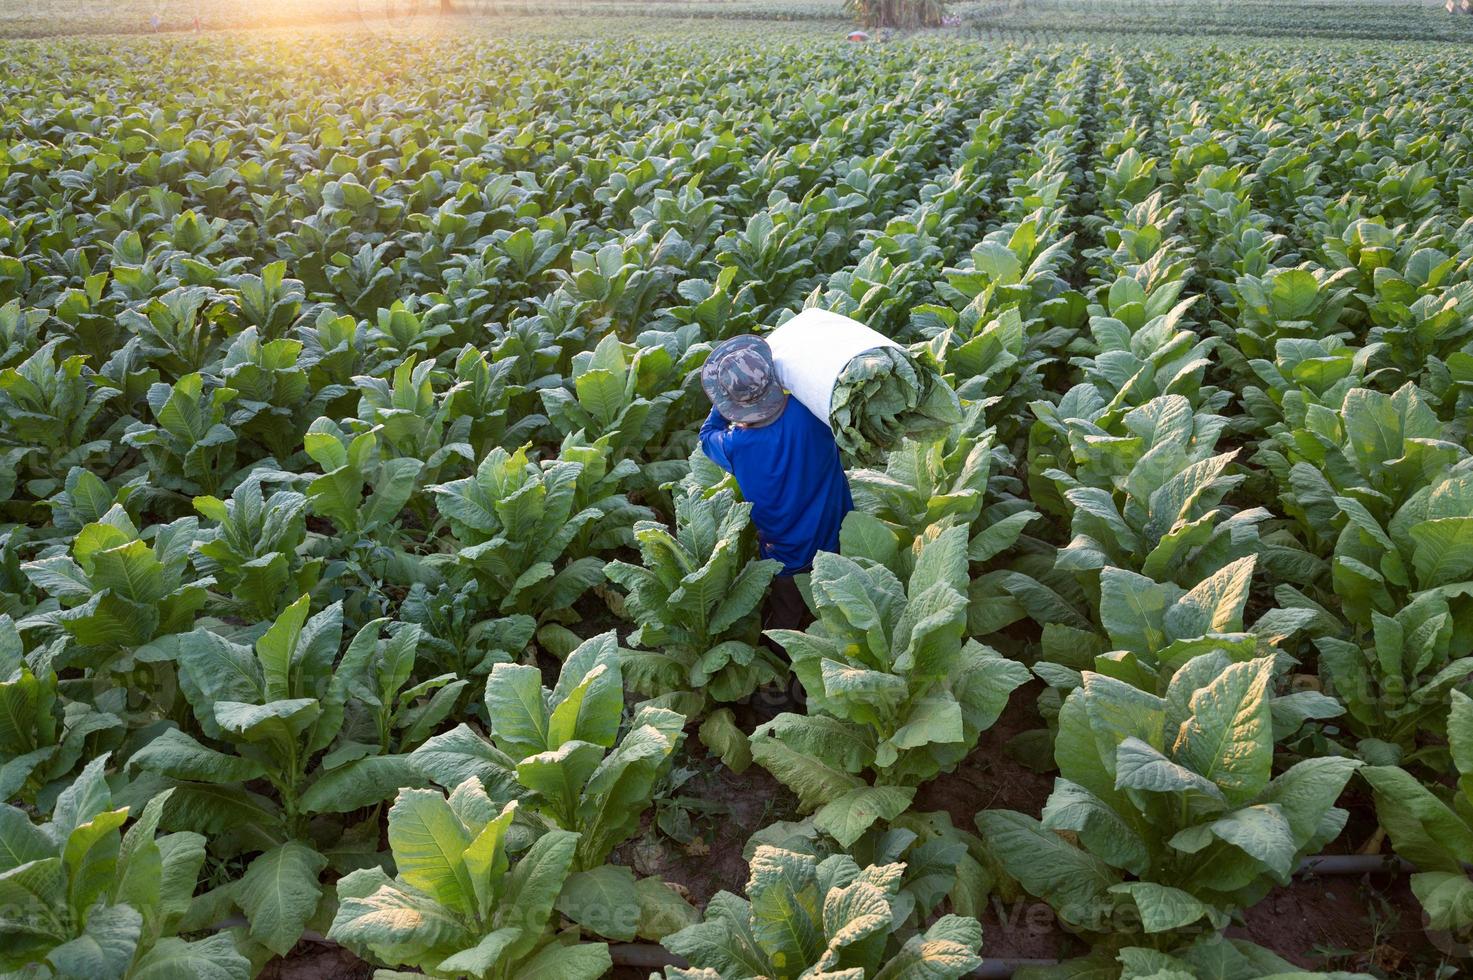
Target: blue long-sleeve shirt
790, 472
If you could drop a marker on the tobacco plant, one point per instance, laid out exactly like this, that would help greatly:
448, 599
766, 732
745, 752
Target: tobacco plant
458, 904
805, 917
84, 897
894, 695
697, 599
560, 751
1172, 805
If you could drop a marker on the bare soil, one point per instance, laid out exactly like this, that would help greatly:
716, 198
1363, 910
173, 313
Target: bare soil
1369, 924
316, 961
990, 778
750, 801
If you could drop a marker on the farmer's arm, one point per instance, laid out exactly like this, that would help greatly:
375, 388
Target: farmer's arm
716, 440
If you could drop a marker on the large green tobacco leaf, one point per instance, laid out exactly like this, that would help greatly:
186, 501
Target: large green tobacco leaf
104, 948
1071, 879
848, 816
426, 838
611, 902
1227, 739
179, 756
211, 958
279, 893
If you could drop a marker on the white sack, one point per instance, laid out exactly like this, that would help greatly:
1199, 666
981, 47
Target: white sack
812, 349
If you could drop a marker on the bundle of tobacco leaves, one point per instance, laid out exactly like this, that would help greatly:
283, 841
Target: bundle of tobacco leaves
886, 395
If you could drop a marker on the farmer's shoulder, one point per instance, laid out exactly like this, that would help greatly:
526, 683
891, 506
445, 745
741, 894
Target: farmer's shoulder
800, 422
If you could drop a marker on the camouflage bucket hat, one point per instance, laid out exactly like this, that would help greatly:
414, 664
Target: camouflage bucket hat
741, 381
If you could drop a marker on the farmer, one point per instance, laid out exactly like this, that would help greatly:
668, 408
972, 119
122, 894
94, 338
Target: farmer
785, 461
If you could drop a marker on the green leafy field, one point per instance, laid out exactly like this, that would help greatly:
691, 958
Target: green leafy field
1369, 19
392, 18
359, 574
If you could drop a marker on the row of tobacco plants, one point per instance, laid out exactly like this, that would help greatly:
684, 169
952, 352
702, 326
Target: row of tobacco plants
359, 574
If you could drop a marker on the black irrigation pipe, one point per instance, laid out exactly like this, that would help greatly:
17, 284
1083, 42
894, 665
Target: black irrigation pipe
652, 957
1354, 864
